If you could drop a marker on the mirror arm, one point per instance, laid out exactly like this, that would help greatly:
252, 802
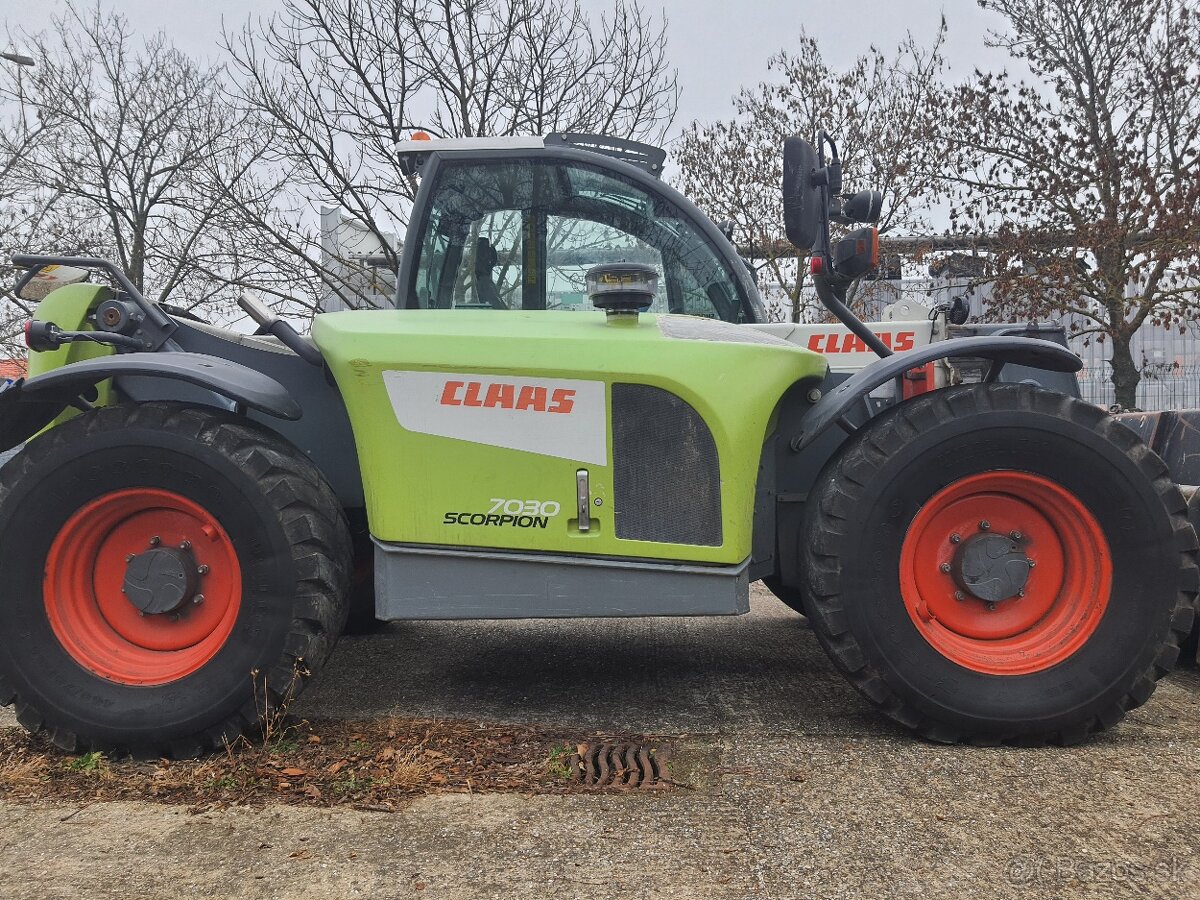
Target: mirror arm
831, 290
832, 295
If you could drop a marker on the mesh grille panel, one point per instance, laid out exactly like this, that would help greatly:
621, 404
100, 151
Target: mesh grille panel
666, 475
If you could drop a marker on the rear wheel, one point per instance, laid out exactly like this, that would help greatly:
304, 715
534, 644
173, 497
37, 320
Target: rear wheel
169, 574
999, 564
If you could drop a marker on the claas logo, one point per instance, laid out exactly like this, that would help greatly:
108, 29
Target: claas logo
836, 342
500, 395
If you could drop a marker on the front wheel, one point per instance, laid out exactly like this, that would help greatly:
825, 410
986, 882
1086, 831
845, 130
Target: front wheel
999, 564
168, 576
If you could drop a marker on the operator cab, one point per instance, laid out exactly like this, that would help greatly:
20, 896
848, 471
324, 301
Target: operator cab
516, 223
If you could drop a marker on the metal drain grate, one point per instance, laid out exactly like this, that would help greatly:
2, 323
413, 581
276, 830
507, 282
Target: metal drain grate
620, 766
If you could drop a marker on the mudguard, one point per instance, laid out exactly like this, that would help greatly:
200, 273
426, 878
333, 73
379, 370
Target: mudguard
1174, 434
29, 405
1000, 349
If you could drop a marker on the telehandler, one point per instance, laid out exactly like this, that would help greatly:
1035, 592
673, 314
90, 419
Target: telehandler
989, 562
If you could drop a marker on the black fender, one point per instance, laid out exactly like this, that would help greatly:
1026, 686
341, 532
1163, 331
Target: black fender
1174, 434
29, 405
1000, 349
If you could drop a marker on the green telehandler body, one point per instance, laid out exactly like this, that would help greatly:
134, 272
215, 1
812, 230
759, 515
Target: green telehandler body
181, 531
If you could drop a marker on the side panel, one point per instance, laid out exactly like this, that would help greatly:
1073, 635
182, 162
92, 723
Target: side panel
434, 583
477, 429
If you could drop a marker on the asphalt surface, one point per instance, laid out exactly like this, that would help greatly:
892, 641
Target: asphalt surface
799, 788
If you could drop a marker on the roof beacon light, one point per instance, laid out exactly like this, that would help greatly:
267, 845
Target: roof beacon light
622, 289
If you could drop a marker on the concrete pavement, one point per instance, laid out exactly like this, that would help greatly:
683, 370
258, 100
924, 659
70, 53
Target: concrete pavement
801, 790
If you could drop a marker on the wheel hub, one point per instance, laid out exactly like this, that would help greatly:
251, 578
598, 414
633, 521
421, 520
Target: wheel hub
966, 574
161, 580
991, 567
143, 586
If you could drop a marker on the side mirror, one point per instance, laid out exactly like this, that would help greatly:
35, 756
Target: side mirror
801, 198
857, 253
35, 286
865, 206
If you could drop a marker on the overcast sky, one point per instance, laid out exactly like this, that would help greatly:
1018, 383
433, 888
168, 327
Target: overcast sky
717, 45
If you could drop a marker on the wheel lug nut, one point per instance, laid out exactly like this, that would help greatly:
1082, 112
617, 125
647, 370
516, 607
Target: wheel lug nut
1032, 563
992, 607
954, 539
945, 567
198, 599
1021, 592
128, 557
203, 570
985, 525
959, 595
155, 541
186, 545
1015, 535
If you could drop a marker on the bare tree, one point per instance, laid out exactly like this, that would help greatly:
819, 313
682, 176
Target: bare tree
339, 84
882, 109
18, 133
1090, 176
135, 135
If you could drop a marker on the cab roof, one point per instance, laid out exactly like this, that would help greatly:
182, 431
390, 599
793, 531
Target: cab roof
644, 156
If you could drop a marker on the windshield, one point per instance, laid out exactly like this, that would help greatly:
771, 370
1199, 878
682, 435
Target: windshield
521, 234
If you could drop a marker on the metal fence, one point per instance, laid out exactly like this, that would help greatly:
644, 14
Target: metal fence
1162, 387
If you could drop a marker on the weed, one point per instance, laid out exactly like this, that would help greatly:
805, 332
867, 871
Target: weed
352, 784
557, 765
89, 762
224, 783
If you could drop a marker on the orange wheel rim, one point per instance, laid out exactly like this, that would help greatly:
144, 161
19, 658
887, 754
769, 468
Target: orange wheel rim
91, 612
1005, 573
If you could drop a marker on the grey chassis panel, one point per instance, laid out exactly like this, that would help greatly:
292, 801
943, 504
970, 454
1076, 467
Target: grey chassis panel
1031, 352
228, 379
414, 582
323, 434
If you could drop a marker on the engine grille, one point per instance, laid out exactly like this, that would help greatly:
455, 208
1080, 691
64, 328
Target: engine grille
666, 474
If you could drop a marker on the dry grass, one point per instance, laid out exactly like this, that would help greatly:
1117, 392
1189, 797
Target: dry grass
376, 765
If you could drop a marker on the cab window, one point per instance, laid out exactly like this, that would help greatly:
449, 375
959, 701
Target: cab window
522, 234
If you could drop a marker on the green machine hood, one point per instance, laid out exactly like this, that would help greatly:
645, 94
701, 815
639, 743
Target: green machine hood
476, 429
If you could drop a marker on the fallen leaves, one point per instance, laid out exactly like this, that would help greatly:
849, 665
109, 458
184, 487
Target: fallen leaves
370, 766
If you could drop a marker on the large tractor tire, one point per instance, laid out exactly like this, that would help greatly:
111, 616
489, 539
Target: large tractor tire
169, 576
999, 564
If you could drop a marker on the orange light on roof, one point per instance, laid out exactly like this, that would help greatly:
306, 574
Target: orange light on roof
421, 136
